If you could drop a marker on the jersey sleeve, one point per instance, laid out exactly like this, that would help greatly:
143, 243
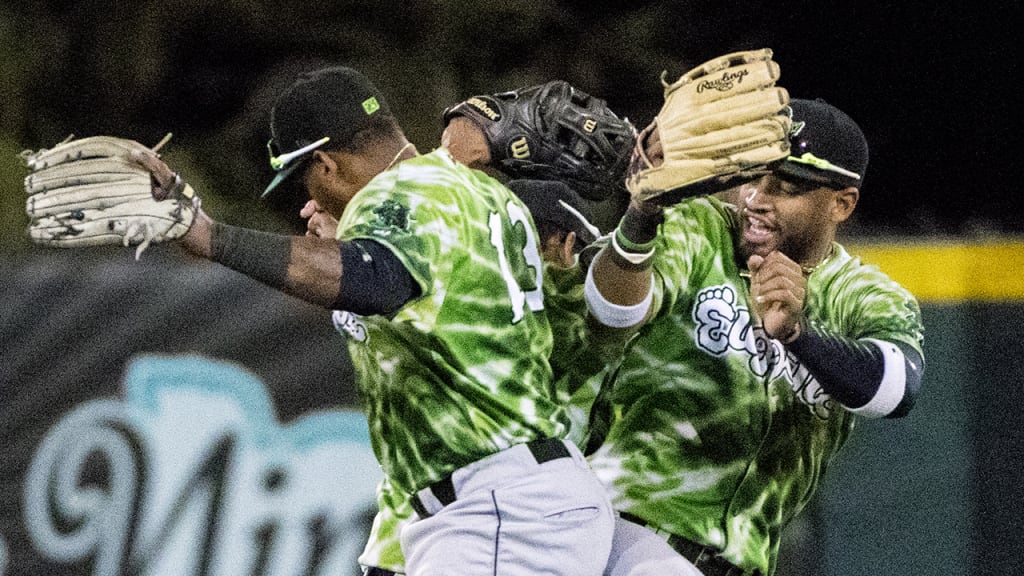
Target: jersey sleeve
401, 217
863, 302
688, 243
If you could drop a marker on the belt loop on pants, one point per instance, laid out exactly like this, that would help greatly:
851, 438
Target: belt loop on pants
543, 450
704, 558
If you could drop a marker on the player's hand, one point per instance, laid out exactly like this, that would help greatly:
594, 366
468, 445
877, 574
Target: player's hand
648, 153
466, 142
318, 222
650, 140
165, 181
778, 288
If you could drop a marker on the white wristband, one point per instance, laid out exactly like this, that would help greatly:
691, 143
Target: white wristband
610, 314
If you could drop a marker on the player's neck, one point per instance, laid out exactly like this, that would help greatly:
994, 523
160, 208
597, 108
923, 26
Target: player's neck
809, 265
406, 152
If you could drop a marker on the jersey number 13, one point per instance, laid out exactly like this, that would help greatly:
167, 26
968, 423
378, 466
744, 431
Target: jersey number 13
520, 297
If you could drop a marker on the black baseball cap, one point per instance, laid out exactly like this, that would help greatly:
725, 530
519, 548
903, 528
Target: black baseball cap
826, 146
555, 202
327, 105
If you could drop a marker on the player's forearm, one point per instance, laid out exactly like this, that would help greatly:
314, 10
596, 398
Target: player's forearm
619, 281
306, 267
197, 239
874, 378
618, 293
314, 270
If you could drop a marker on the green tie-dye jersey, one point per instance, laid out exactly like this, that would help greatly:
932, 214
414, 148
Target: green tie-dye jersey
383, 545
717, 434
579, 367
578, 375
462, 371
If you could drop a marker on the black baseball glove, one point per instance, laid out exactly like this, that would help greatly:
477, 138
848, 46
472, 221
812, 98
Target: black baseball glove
554, 132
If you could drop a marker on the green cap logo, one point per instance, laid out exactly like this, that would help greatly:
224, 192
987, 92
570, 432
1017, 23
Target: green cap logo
370, 105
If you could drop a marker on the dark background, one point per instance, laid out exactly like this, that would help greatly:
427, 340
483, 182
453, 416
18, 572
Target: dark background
932, 84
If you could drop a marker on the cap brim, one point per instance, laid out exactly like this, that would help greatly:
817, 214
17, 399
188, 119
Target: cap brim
812, 174
280, 177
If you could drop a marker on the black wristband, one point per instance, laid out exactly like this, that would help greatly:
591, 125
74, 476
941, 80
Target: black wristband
633, 241
640, 226
260, 255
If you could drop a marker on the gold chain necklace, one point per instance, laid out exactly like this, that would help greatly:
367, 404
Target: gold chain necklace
808, 270
397, 156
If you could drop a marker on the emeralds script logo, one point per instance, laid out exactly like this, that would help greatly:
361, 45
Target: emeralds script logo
392, 214
727, 81
724, 326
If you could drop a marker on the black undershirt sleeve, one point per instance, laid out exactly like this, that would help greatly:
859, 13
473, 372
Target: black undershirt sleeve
373, 279
851, 371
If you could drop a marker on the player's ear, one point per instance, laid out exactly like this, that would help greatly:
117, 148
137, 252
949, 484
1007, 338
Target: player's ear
567, 249
844, 204
323, 163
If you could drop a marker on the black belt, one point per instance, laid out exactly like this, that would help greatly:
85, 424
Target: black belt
374, 571
543, 450
705, 558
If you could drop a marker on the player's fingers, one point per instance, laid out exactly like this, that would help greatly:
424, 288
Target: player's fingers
787, 296
773, 267
312, 227
779, 260
754, 263
655, 152
773, 276
322, 225
162, 173
311, 207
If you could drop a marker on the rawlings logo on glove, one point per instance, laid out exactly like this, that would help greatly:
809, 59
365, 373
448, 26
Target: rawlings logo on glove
89, 192
723, 123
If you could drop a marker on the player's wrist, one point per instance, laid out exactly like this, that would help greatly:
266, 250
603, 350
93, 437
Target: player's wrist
198, 239
629, 254
790, 334
635, 238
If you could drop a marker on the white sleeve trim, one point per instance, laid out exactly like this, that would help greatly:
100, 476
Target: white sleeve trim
610, 314
894, 382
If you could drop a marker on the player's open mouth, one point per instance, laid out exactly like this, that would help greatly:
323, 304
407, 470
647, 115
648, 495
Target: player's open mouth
757, 230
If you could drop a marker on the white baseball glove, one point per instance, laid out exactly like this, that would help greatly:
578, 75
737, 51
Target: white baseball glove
89, 192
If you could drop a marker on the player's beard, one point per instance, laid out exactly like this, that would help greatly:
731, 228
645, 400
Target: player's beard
762, 235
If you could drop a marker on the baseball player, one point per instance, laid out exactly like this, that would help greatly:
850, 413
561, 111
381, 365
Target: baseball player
482, 132
565, 230
759, 341
440, 267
